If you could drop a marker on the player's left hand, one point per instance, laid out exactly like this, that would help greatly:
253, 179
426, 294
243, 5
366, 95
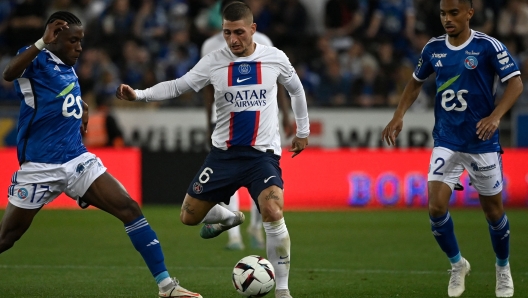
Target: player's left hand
287, 125
298, 145
84, 118
487, 127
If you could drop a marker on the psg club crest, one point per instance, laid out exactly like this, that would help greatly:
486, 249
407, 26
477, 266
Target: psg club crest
471, 62
197, 188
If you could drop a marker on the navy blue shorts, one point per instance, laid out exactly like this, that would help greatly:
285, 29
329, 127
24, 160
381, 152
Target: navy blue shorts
224, 172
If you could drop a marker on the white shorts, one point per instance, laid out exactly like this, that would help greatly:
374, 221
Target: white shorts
484, 169
36, 184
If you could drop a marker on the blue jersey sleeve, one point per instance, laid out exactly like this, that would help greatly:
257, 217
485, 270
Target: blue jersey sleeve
424, 68
34, 66
503, 62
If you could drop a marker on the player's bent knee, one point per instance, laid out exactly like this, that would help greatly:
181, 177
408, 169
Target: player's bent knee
188, 219
270, 212
436, 210
129, 211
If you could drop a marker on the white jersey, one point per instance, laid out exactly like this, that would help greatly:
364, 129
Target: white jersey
245, 95
217, 42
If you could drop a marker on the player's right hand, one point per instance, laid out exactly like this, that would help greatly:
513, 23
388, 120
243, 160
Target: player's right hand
53, 29
298, 145
125, 92
391, 131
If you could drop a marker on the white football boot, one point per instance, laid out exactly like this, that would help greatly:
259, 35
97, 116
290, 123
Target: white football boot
178, 291
504, 286
458, 276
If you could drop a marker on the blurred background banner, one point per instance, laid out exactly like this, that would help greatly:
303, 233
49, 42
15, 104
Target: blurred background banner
185, 129
124, 164
337, 179
318, 179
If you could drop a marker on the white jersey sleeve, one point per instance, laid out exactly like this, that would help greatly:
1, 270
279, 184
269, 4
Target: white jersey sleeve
290, 80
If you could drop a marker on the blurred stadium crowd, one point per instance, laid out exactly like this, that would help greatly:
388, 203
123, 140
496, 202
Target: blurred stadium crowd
353, 53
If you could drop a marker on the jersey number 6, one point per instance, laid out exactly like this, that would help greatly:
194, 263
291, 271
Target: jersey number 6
204, 176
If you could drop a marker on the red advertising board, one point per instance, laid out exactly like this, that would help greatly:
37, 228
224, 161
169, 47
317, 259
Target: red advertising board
336, 179
123, 164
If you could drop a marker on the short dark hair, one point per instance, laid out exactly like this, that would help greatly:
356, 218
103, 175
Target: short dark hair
468, 2
66, 16
225, 3
236, 11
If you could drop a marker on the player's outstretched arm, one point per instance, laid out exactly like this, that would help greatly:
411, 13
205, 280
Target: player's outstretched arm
161, 91
20, 62
409, 95
486, 127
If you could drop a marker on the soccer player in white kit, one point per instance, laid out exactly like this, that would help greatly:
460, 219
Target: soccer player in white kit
467, 66
246, 141
213, 43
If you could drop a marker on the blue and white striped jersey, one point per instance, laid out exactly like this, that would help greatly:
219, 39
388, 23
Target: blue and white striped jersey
466, 80
50, 111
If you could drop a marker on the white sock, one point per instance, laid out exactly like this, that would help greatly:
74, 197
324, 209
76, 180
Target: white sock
166, 284
219, 214
234, 233
256, 217
278, 251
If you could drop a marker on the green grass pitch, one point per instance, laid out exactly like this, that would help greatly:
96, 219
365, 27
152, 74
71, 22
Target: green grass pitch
381, 253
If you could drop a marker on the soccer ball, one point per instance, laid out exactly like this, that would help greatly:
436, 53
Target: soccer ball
253, 276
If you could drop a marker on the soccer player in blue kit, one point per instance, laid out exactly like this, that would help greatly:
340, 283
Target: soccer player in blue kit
50, 152
468, 65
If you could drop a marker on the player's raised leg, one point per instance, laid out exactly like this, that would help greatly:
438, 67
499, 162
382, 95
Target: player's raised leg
444, 233
215, 217
278, 243
499, 229
107, 194
234, 236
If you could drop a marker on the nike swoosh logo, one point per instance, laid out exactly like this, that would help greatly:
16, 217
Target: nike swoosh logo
240, 81
282, 258
267, 179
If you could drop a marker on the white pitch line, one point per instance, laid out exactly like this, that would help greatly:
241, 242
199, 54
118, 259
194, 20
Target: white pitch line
309, 270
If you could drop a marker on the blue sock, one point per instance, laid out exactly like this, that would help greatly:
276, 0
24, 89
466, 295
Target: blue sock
444, 233
146, 243
500, 239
